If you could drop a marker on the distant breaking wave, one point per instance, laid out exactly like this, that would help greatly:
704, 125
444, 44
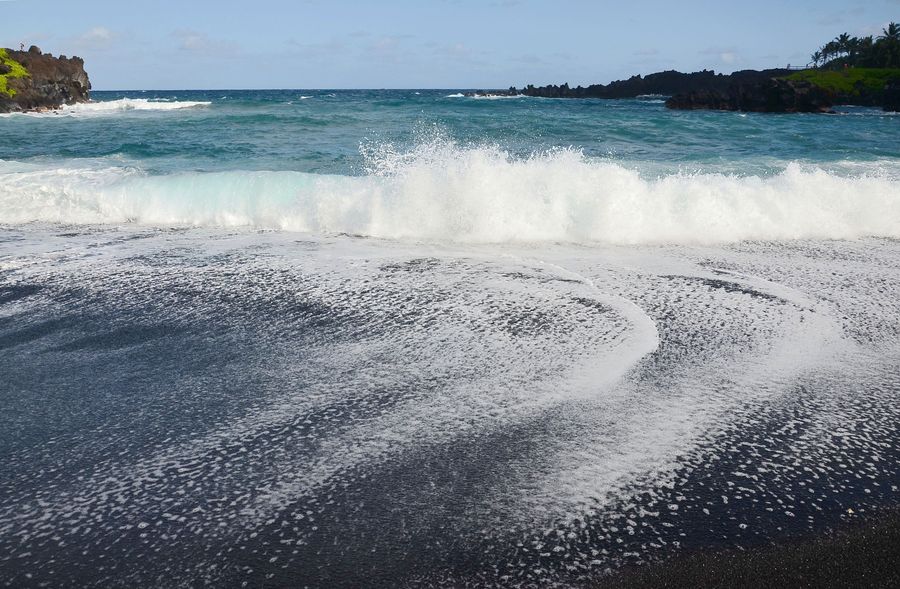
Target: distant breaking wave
482, 195
485, 96
498, 97
118, 106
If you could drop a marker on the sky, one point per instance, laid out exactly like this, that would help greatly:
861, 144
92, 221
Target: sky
471, 44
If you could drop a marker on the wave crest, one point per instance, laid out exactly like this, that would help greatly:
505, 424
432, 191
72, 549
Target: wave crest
442, 192
127, 104
109, 107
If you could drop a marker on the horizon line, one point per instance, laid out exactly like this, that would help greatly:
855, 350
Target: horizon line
291, 89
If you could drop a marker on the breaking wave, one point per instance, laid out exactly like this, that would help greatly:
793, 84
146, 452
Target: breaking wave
444, 192
134, 104
118, 106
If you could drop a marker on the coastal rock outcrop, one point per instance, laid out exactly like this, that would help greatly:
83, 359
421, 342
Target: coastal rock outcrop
892, 96
493, 93
770, 95
667, 83
32, 80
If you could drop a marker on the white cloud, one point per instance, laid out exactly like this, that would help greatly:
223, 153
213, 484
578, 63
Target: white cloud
724, 55
198, 42
96, 38
98, 34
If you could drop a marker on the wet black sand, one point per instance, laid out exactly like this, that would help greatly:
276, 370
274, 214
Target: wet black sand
863, 552
190, 409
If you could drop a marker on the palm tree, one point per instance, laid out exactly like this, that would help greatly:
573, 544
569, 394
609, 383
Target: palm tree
891, 33
843, 43
816, 58
864, 55
853, 47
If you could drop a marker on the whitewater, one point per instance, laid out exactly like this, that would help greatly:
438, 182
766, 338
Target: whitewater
410, 338
443, 192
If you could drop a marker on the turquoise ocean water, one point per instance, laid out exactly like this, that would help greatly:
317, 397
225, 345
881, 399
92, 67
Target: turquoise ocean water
321, 131
414, 339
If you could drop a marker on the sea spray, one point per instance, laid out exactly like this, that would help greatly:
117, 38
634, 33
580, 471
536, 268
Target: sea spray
440, 191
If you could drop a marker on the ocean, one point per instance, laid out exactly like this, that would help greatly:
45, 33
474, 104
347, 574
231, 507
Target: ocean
414, 338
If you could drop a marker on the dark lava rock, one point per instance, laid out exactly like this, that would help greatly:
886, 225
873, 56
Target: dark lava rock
769, 95
52, 82
493, 93
892, 96
665, 83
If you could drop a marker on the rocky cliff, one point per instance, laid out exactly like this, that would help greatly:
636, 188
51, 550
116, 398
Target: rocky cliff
32, 80
666, 83
772, 90
769, 95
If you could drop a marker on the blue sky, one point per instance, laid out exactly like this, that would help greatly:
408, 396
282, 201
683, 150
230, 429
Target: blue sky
164, 44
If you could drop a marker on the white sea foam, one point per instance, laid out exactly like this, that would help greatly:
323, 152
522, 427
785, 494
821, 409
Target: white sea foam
126, 104
444, 193
457, 95
498, 97
109, 107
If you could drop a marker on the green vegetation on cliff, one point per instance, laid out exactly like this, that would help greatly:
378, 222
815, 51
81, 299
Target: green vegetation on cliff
9, 69
869, 52
852, 82
856, 70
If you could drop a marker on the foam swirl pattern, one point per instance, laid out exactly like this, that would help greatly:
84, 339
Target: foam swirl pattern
347, 411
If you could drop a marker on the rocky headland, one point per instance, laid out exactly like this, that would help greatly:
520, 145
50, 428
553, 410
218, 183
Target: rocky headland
746, 90
772, 90
846, 71
769, 95
33, 81
667, 83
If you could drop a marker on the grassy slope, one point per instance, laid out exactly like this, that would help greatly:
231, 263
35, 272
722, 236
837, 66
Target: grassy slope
846, 81
17, 70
